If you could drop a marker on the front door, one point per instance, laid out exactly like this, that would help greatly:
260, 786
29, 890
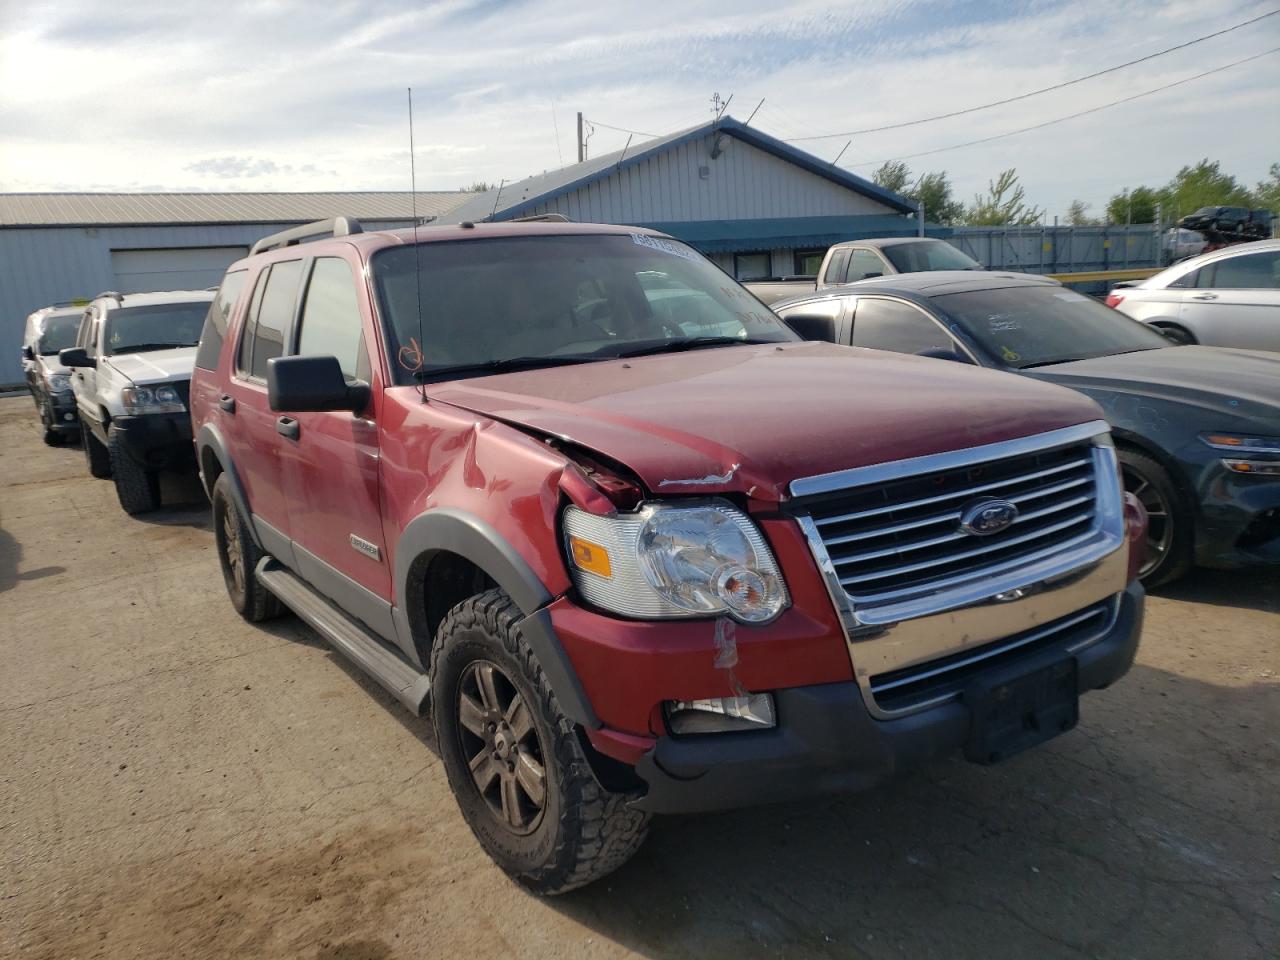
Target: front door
330, 466
1236, 302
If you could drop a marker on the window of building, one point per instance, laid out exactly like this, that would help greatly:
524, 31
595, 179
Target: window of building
751, 266
808, 262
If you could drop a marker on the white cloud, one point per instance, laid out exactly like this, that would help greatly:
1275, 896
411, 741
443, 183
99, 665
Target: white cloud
294, 95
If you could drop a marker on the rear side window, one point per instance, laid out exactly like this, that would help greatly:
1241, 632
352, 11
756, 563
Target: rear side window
331, 324
215, 322
271, 314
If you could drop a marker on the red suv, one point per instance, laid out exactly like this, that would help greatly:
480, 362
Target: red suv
639, 547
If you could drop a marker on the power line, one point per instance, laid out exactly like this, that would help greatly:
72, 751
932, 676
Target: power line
638, 133
1082, 113
1036, 93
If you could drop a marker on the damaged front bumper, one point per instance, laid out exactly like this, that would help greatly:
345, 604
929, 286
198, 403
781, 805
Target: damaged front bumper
827, 740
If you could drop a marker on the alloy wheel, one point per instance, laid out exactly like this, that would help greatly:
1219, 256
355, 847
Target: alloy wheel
235, 559
502, 748
1159, 518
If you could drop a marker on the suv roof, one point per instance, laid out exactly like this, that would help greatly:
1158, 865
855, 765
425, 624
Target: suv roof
147, 299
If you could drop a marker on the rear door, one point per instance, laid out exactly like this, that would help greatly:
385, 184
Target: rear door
1235, 302
331, 474
251, 431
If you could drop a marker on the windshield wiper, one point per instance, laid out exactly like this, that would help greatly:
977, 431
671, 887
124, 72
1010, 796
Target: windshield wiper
144, 347
687, 343
504, 365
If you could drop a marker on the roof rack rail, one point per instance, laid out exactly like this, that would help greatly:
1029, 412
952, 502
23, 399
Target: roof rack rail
333, 227
543, 218
111, 295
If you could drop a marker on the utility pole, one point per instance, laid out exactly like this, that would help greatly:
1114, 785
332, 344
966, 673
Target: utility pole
582, 147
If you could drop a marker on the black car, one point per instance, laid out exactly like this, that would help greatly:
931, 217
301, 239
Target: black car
1217, 220
1197, 428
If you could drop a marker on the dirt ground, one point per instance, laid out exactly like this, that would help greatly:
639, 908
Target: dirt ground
175, 783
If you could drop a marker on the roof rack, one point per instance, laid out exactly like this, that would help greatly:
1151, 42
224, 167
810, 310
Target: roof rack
110, 295
333, 227
543, 218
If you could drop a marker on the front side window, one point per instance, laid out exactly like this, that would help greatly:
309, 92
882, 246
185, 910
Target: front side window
216, 320
1032, 326
58, 333
1254, 271
545, 299
331, 324
156, 326
835, 268
863, 264
892, 325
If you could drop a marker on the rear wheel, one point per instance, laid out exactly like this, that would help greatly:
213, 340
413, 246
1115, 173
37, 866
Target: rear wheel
137, 487
239, 556
95, 455
1177, 334
1169, 518
514, 760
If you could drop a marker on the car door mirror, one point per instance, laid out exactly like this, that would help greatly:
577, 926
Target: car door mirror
812, 326
942, 353
313, 385
28, 353
76, 357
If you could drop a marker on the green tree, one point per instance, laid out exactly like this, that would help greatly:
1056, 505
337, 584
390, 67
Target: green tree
934, 191
1135, 206
1078, 215
1267, 195
1005, 203
1202, 185
479, 186
893, 175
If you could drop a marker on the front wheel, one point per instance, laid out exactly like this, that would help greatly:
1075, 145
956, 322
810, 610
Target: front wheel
137, 487
95, 455
513, 759
1169, 519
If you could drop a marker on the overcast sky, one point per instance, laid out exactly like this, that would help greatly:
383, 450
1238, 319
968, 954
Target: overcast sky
284, 95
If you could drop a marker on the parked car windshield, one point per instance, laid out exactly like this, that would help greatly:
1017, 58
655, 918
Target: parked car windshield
1035, 326
159, 326
928, 255
520, 300
58, 333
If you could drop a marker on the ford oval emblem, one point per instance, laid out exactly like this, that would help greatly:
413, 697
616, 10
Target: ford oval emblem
986, 517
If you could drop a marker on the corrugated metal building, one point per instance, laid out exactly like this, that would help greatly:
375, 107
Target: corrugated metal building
759, 207
70, 246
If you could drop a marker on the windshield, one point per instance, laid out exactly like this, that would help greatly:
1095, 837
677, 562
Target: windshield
1033, 326
59, 333
556, 298
927, 255
159, 326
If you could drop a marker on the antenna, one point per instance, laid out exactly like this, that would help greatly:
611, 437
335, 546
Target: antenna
417, 353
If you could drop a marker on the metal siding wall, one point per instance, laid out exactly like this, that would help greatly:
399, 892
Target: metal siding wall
744, 183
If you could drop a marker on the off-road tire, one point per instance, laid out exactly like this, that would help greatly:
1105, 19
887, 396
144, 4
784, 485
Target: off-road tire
137, 487
96, 455
585, 831
1178, 554
51, 436
236, 547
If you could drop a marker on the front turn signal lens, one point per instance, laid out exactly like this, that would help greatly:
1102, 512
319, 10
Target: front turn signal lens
1264, 468
590, 557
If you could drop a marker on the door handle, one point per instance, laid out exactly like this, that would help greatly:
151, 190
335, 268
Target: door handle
287, 427
1204, 296
227, 403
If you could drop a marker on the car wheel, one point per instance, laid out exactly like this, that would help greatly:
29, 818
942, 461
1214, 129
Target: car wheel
51, 436
137, 487
238, 555
1169, 518
1177, 334
514, 760
95, 454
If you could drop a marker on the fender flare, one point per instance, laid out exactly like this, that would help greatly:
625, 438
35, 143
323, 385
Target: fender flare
447, 530
209, 438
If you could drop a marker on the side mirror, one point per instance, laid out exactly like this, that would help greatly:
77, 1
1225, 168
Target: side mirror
28, 353
942, 353
76, 357
312, 385
812, 326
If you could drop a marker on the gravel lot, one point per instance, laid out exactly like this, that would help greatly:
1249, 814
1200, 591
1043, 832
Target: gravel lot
177, 783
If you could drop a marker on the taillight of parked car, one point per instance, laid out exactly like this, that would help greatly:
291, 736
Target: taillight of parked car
1115, 299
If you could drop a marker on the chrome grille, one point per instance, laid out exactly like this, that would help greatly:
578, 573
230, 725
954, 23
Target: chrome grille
902, 538
941, 679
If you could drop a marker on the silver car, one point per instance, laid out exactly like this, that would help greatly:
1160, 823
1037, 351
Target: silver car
1228, 298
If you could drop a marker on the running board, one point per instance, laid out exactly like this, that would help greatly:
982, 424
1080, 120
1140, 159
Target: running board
351, 638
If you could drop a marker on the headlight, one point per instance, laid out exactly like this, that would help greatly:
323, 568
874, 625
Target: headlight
695, 560
163, 399
1238, 443
59, 383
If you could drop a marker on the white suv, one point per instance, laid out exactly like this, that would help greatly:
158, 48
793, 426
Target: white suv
1227, 298
131, 377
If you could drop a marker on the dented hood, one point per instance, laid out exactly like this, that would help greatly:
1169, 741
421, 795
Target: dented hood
754, 418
